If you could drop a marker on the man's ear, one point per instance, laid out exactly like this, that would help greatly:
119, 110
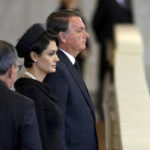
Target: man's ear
33, 56
62, 37
11, 71
11, 76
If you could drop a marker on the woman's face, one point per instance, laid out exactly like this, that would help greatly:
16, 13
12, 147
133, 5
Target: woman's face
46, 62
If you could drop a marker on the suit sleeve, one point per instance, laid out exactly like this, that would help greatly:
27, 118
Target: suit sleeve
30, 138
59, 86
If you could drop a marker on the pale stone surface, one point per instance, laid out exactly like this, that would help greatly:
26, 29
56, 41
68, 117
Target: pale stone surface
142, 13
131, 90
17, 15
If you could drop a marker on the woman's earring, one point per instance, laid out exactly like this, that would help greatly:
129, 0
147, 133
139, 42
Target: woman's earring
35, 61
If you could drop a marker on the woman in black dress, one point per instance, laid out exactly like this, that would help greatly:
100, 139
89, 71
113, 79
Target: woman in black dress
38, 48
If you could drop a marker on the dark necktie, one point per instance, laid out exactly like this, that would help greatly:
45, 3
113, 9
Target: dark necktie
76, 65
77, 68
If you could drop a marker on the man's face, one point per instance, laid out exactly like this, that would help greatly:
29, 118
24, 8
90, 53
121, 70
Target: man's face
76, 35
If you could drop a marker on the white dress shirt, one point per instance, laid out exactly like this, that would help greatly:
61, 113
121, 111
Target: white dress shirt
71, 58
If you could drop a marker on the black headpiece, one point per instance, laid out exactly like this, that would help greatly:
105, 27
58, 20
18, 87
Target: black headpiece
27, 40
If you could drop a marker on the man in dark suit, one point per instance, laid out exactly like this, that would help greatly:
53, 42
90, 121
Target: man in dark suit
79, 132
18, 124
107, 14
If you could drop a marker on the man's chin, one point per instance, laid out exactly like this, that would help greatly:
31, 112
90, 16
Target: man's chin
83, 47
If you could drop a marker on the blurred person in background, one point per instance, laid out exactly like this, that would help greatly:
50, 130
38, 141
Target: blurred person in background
38, 48
78, 114
107, 14
18, 124
72, 4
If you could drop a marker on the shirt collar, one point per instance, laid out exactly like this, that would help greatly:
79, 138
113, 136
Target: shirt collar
71, 58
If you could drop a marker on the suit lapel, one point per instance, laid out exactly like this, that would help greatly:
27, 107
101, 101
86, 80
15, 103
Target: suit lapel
77, 78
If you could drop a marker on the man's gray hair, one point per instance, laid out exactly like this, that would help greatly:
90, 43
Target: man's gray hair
8, 56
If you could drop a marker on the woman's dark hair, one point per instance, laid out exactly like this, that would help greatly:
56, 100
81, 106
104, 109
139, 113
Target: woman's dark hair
39, 46
36, 39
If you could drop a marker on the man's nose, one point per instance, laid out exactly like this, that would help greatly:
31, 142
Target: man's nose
87, 35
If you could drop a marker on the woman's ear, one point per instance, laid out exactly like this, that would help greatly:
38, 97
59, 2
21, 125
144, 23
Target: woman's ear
33, 56
62, 37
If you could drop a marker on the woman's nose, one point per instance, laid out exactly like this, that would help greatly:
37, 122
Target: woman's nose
56, 58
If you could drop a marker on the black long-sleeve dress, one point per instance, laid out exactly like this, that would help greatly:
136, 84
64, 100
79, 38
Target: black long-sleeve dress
48, 114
